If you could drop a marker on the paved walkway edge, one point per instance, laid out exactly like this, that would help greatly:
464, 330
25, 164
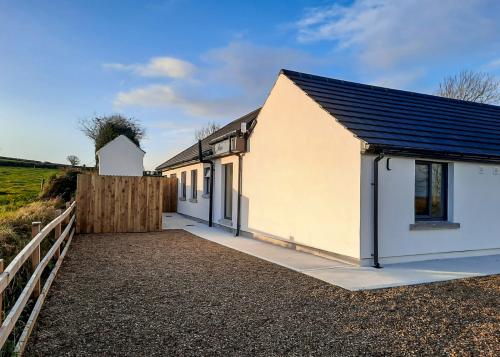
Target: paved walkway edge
339, 273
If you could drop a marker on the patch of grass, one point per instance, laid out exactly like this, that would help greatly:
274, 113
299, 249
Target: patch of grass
15, 233
15, 226
21, 185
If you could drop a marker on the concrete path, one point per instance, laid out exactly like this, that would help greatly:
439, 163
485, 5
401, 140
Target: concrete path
339, 273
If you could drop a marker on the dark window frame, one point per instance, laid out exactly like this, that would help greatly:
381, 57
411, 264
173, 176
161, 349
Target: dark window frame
206, 181
228, 191
183, 184
194, 184
444, 191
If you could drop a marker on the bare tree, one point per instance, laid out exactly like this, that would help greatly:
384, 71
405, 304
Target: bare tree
205, 131
472, 86
73, 160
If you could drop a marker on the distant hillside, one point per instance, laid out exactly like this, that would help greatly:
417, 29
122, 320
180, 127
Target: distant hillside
12, 161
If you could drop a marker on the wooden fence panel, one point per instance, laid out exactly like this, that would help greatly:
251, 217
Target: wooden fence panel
110, 204
170, 194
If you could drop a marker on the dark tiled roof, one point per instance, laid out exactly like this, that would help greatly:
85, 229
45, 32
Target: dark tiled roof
191, 153
395, 120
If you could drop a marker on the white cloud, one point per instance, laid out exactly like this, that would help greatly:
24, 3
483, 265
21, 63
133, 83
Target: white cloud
385, 33
493, 65
169, 97
234, 80
401, 79
157, 67
252, 67
150, 96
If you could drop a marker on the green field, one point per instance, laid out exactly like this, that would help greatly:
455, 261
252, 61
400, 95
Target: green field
20, 185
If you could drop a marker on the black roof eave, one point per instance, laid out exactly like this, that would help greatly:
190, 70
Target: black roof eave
430, 154
194, 160
192, 151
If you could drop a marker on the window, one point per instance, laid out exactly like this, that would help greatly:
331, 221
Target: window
194, 184
206, 181
183, 185
173, 176
431, 181
228, 191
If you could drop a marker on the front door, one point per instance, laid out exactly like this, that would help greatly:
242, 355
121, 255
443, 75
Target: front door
228, 191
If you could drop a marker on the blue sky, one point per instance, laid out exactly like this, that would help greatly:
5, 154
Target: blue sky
175, 65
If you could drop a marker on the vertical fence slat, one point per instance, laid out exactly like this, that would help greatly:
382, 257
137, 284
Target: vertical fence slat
134, 204
144, 203
156, 207
129, 221
90, 205
110, 208
97, 205
148, 204
159, 207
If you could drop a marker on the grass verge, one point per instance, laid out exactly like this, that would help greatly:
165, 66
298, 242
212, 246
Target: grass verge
21, 185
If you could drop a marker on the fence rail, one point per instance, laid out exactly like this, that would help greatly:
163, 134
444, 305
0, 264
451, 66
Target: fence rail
32, 288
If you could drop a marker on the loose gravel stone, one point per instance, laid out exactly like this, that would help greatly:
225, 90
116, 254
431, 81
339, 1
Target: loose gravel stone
172, 293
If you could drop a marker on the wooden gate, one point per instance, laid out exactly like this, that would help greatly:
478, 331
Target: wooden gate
108, 204
170, 185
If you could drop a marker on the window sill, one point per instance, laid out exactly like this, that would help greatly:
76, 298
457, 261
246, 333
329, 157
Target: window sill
193, 200
206, 195
433, 225
182, 198
226, 222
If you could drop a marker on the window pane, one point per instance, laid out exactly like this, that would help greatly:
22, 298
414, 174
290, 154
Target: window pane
206, 181
228, 191
183, 184
437, 204
194, 184
421, 189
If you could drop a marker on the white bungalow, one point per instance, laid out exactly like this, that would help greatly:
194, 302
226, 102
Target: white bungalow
366, 174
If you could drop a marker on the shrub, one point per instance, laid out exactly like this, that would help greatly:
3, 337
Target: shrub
61, 185
15, 226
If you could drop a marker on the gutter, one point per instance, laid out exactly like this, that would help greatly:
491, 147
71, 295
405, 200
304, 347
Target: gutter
376, 263
430, 154
222, 137
212, 174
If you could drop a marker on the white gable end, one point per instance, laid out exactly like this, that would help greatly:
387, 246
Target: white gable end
121, 157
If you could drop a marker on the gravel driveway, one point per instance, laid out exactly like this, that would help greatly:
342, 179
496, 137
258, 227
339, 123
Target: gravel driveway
172, 293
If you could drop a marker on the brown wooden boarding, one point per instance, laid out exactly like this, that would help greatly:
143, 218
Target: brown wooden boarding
118, 204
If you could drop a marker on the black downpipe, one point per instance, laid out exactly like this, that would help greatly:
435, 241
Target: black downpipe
211, 193
376, 263
238, 218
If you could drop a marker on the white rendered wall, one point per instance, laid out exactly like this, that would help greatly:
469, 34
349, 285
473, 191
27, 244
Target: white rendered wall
121, 157
301, 177
200, 208
474, 202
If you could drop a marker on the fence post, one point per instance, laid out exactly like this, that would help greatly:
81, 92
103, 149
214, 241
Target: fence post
57, 234
66, 221
1, 294
35, 256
